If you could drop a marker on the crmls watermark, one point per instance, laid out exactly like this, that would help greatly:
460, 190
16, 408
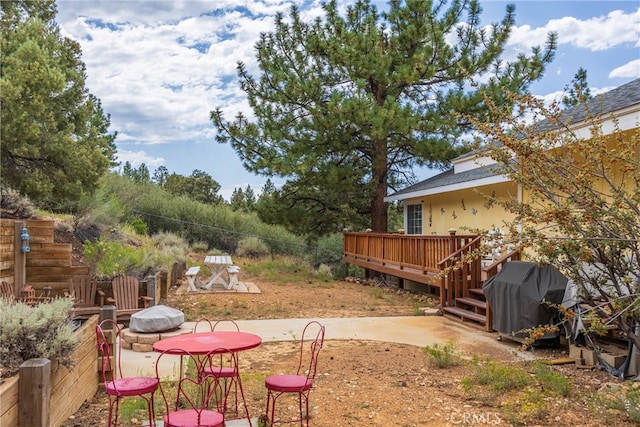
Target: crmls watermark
472, 418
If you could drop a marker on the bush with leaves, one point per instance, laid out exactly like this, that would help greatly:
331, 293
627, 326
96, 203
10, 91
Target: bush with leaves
252, 247
43, 331
112, 258
14, 204
329, 252
216, 225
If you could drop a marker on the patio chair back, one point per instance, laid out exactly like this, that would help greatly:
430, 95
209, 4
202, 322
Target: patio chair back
226, 325
7, 291
126, 292
126, 296
187, 401
311, 343
83, 290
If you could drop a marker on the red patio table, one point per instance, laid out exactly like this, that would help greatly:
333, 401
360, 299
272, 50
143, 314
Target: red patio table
205, 342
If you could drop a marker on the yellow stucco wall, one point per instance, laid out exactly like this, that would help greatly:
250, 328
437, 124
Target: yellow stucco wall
615, 173
469, 210
464, 209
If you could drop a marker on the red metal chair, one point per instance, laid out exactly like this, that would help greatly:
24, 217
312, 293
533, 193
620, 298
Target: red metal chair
224, 367
187, 402
116, 385
203, 321
302, 381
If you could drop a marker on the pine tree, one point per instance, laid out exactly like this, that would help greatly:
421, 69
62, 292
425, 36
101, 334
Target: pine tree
346, 107
55, 145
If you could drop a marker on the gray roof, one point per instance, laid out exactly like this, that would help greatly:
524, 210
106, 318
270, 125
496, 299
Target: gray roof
608, 102
449, 178
616, 99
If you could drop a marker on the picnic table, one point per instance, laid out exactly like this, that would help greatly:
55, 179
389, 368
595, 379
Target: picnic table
219, 265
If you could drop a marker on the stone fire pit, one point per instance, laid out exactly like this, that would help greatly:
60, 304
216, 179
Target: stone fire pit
151, 325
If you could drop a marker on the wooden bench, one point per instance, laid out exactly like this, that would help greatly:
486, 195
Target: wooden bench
192, 278
233, 271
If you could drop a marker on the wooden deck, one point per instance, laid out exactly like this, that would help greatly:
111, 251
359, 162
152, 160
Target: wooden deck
451, 265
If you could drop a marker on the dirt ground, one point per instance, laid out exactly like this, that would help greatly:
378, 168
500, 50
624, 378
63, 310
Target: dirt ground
367, 383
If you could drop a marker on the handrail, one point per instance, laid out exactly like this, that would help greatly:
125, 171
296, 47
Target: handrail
461, 250
492, 269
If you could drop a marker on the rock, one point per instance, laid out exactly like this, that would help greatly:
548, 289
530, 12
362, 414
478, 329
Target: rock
156, 319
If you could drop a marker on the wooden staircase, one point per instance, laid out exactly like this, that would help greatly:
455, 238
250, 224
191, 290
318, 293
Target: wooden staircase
472, 307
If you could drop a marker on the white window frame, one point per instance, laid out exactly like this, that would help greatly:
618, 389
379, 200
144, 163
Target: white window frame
414, 222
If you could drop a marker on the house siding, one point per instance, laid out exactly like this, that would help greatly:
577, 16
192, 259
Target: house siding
465, 210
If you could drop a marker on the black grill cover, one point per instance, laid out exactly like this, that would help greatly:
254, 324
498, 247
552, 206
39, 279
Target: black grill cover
516, 293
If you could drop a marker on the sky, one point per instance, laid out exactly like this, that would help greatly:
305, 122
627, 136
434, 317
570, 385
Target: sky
161, 66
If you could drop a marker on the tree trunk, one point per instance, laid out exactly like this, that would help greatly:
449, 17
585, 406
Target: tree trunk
379, 178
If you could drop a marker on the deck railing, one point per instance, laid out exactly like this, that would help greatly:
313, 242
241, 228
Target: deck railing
460, 271
403, 251
453, 263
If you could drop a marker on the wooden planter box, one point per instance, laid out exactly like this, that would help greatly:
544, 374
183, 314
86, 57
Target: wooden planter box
69, 388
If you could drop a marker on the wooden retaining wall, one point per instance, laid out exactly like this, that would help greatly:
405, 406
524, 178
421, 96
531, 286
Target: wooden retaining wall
69, 388
47, 264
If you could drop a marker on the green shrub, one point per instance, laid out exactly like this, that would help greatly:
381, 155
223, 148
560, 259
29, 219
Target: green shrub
110, 259
103, 207
138, 225
616, 398
199, 247
500, 377
43, 331
329, 252
252, 247
632, 404
324, 273
215, 224
17, 205
443, 356
552, 381
170, 244
528, 407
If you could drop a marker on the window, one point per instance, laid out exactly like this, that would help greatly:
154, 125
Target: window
414, 219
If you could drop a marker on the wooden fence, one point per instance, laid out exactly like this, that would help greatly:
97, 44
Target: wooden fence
34, 399
47, 265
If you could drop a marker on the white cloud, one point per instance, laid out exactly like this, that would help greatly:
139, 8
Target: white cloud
630, 69
599, 33
594, 34
159, 67
136, 158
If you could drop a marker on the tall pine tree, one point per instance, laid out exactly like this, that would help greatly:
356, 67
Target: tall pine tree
347, 106
55, 144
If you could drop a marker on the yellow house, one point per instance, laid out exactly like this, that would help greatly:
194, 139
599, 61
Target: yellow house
445, 218
455, 199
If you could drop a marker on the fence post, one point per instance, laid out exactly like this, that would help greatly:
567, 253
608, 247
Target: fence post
151, 290
164, 285
34, 393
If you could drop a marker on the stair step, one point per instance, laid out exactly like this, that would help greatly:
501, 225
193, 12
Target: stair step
477, 291
466, 314
472, 302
